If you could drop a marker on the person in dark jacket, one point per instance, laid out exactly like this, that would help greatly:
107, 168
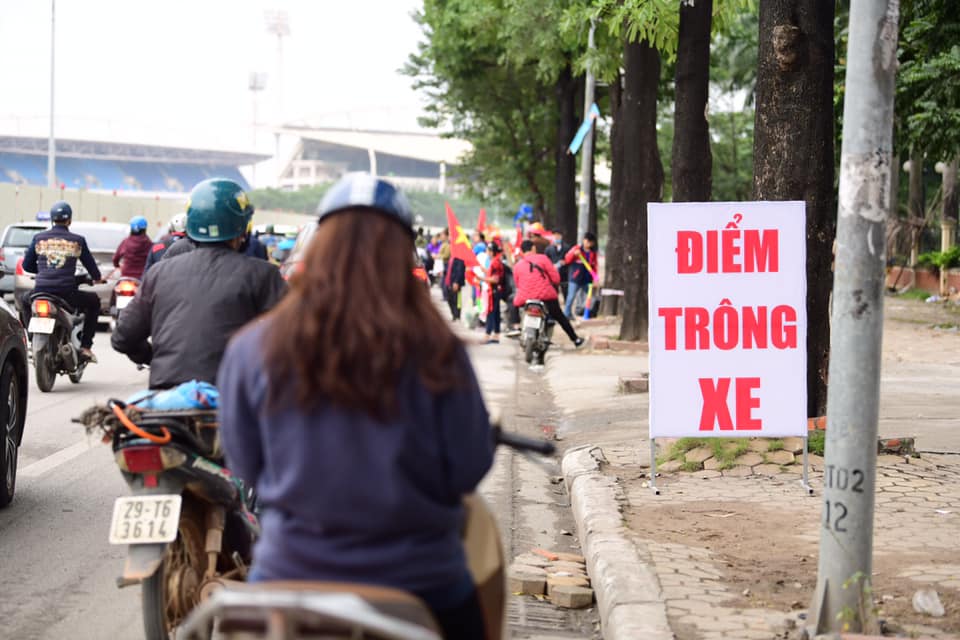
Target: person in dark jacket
557, 251
131, 256
252, 247
192, 305
454, 277
178, 229
363, 427
53, 255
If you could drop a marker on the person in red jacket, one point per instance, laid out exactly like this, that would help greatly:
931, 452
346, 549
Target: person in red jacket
131, 255
582, 259
537, 279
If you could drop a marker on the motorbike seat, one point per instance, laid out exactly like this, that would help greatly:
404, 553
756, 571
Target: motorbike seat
55, 299
393, 603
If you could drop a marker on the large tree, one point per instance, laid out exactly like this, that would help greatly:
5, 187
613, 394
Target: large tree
793, 150
691, 160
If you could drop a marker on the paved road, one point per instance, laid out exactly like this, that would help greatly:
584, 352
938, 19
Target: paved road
57, 570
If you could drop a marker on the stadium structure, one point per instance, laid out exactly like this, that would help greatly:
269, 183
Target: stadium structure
416, 161
118, 167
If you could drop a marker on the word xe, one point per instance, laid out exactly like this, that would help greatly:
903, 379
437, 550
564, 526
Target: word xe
716, 410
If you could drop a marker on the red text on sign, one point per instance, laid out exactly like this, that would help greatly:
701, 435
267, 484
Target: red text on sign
728, 327
728, 251
716, 411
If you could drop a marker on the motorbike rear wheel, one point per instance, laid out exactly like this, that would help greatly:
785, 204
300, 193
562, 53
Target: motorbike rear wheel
529, 349
44, 367
173, 590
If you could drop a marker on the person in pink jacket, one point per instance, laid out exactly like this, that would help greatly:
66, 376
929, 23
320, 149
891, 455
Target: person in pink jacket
537, 278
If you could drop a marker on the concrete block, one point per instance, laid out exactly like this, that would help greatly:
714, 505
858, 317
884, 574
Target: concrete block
565, 581
750, 459
780, 457
793, 445
531, 560
597, 343
739, 471
570, 557
767, 469
570, 597
634, 384
699, 454
527, 583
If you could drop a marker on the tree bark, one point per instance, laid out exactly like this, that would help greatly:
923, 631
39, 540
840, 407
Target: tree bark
692, 161
642, 180
793, 151
566, 174
612, 273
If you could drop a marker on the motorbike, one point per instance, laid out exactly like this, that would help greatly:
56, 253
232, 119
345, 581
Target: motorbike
338, 610
536, 331
55, 328
189, 523
123, 292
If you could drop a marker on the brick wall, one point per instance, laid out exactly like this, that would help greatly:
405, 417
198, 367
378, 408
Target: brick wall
924, 279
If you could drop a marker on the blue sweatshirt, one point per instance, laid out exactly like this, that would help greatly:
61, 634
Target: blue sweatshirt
346, 498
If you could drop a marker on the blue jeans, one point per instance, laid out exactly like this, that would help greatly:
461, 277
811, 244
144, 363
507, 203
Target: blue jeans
572, 289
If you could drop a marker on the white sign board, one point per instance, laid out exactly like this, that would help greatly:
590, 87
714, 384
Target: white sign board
728, 322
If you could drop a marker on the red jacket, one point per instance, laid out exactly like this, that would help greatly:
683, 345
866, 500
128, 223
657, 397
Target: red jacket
578, 272
533, 283
131, 255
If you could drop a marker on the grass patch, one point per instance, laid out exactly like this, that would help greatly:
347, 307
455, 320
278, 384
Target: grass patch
816, 442
775, 445
691, 466
725, 450
914, 294
950, 326
726, 464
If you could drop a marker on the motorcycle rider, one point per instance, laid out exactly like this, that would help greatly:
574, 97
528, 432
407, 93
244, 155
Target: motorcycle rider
131, 256
361, 423
537, 279
178, 229
192, 305
53, 255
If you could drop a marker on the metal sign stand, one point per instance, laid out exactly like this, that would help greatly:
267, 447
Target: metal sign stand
653, 467
805, 480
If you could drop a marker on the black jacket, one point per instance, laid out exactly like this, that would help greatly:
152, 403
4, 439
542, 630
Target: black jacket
53, 256
557, 254
179, 247
159, 250
191, 306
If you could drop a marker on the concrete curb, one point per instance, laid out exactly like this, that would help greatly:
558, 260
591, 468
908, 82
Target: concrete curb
628, 591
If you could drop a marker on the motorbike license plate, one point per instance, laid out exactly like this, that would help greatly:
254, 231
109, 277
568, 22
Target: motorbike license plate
123, 301
145, 519
532, 322
41, 325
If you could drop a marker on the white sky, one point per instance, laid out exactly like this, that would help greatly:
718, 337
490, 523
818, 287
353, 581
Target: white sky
176, 71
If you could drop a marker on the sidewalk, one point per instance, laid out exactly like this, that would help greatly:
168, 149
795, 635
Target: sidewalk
719, 556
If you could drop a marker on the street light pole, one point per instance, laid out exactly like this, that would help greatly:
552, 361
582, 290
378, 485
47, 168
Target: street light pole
586, 168
51, 142
844, 600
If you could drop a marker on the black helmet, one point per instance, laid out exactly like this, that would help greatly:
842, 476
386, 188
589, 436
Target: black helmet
218, 210
61, 211
364, 191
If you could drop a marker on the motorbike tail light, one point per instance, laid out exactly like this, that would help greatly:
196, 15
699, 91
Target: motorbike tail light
126, 288
43, 308
144, 459
20, 270
3, 256
534, 311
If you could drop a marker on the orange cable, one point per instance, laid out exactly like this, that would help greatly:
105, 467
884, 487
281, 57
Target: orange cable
125, 421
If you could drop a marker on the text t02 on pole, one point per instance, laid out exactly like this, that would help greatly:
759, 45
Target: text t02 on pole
844, 597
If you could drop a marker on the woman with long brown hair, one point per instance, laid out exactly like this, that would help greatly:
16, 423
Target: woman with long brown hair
354, 411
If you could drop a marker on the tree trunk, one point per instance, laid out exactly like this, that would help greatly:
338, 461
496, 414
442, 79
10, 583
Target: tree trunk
566, 175
592, 205
642, 179
692, 162
612, 273
916, 207
793, 151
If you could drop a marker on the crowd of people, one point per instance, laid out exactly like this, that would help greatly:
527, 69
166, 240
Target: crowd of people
507, 271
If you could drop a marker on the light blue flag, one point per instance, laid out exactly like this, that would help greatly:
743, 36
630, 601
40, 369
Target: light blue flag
592, 115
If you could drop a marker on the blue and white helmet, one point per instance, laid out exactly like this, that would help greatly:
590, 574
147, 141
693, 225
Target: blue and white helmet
364, 191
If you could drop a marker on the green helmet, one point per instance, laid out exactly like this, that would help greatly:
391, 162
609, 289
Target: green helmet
218, 210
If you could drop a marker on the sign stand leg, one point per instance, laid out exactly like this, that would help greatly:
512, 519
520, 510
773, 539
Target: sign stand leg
653, 467
805, 481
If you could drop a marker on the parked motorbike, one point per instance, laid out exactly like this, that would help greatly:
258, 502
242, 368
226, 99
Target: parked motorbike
189, 523
55, 328
123, 292
536, 331
339, 610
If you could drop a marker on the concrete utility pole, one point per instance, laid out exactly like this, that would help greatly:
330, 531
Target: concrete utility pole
51, 142
586, 169
844, 599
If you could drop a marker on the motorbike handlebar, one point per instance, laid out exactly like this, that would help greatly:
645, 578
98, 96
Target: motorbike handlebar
522, 443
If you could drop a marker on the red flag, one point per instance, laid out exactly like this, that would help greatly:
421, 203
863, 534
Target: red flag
460, 246
482, 221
